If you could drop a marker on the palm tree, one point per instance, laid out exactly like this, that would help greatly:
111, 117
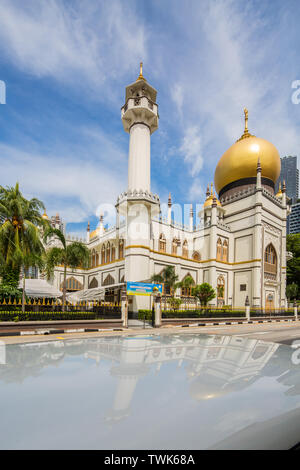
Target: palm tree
168, 278
70, 255
20, 233
204, 292
186, 283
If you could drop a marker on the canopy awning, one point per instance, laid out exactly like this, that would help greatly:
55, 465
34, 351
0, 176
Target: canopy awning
40, 288
97, 293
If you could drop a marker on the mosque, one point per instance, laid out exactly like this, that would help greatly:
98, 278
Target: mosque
239, 247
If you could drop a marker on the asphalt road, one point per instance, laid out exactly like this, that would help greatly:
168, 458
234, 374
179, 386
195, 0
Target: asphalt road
284, 332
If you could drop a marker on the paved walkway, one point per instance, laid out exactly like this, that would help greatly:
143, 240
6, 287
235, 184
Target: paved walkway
134, 323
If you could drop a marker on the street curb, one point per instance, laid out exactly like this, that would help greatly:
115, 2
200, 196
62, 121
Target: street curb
56, 331
235, 323
96, 330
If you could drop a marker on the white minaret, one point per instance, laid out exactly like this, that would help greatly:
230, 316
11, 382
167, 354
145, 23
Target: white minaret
140, 119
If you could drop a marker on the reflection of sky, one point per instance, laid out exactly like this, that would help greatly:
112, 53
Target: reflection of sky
168, 392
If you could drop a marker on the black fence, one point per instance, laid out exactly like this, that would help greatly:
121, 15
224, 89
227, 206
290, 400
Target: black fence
54, 311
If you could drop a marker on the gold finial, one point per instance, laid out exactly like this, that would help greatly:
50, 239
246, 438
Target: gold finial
211, 188
246, 131
140, 77
246, 119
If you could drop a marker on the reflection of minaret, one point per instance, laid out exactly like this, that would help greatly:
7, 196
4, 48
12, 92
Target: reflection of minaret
131, 368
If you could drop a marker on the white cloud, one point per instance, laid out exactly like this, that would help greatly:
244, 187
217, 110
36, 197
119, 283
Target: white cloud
191, 149
87, 44
233, 59
196, 191
209, 61
68, 184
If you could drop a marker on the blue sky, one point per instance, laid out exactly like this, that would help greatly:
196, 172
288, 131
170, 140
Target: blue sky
66, 65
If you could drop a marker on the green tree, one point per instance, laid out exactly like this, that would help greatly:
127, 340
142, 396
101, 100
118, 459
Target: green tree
21, 224
292, 291
70, 255
175, 303
168, 278
186, 283
204, 293
293, 265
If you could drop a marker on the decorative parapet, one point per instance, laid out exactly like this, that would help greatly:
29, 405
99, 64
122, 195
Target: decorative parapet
138, 195
141, 101
248, 192
223, 226
177, 225
238, 195
73, 238
272, 198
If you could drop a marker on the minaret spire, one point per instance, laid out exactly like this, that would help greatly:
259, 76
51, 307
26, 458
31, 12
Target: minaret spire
246, 120
141, 77
246, 131
169, 209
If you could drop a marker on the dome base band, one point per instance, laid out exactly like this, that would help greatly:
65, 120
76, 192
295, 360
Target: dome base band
236, 186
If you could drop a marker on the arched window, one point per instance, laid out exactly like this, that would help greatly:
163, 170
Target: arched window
270, 260
93, 283
196, 256
174, 246
97, 259
121, 249
103, 254
187, 285
219, 249
108, 252
113, 253
225, 251
162, 243
72, 284
221, 287
185, 249
108, 280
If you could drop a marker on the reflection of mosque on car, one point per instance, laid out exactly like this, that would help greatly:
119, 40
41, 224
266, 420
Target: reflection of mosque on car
214, 365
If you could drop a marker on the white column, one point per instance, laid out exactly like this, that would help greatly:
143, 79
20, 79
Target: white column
139, 158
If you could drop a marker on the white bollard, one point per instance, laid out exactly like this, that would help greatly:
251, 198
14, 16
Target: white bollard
295, 310
157, 310
247, 308
124, 309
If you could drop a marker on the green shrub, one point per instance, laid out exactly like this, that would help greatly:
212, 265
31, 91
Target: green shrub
17, 315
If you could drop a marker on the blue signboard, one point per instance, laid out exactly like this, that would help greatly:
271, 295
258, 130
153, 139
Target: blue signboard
143, 288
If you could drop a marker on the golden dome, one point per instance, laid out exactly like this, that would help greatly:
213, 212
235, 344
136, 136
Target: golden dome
210, 198
240, 160
44, 216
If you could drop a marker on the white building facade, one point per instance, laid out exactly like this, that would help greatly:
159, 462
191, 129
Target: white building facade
239, 247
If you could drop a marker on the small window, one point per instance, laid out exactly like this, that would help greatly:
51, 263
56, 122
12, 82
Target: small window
243, 287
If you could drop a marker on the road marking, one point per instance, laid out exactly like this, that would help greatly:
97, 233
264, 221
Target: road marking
255, 333
59, 337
